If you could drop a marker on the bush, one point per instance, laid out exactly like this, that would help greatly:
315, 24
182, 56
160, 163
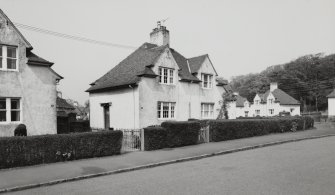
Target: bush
20, 130
221, 130
154, 138
181, 133
24, 151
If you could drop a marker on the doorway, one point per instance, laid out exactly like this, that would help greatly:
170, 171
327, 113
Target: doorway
106, 116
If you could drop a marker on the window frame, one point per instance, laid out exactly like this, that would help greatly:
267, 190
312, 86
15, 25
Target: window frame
166, 114
166, 75
4, 58
9, 110
210, 114
257, 112
208, 82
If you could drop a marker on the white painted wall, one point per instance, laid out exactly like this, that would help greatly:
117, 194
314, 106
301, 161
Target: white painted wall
34, 85
124, 111
188, 98
331, 106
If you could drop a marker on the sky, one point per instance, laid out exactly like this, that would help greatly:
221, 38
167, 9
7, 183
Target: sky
240, 36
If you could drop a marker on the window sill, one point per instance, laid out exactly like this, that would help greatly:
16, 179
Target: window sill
206, 88
165, 119
10, 123
168, 84
9, 70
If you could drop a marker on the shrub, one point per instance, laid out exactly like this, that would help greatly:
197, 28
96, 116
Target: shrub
23, 151
181, 133
20, 130
154, 138
240, 128
233, 129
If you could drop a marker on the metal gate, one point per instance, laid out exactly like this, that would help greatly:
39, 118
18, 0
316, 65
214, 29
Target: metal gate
204, 134
131, 140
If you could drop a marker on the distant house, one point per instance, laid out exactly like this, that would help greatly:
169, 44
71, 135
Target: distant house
240, 107
271, 103
331, 104
27, 85
64, 108
153, 84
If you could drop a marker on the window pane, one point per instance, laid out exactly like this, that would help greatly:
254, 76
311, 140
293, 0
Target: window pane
0, 62
165, 75
165, 110
11, 63
160, 74
15, 104
172, 109
171, 76
0, 50
11, 52
159, 110
2, 104
2, 115
15, 115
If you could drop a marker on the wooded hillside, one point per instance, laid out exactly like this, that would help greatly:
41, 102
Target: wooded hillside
309, 79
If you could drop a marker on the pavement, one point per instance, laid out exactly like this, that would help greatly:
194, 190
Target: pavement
48, 174
304, 167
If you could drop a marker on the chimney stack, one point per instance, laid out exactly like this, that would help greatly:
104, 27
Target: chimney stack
160, 35
273, 86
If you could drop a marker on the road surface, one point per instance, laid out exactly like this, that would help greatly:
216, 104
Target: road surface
305, 167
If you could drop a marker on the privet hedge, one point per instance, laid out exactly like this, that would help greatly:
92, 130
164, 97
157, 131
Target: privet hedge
171, 134
182, 133
221, 130
154, 138
23, 151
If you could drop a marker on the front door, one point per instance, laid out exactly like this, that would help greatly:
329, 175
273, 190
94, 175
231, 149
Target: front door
106, 116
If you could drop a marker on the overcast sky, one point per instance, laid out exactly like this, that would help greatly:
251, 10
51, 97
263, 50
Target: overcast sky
240, 36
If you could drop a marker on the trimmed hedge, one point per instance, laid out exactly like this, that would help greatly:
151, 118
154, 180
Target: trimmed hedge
171, 134
221, 130
154, 138
32, 150
181, 133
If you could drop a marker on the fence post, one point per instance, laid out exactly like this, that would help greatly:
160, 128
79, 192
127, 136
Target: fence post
142, 139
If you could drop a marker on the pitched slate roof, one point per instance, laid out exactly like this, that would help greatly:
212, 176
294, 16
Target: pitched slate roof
62, 104
240, 101
184, 71
127, 72
137, 64
34, 59
332, 94
281, 96
196, 62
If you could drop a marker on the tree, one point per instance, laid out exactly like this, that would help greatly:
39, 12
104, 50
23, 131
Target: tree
226, 99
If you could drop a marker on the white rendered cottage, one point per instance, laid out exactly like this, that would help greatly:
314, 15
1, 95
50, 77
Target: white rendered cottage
27, 85
331, 104
153, 84
271, 103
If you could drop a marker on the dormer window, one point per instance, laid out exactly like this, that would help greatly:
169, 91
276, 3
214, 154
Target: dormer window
8, 57
166, 75
207, 81
270, 101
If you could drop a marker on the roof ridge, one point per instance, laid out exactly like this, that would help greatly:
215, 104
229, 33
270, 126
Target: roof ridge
199, 56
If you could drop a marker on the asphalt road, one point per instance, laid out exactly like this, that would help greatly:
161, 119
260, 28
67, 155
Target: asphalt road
305, 167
